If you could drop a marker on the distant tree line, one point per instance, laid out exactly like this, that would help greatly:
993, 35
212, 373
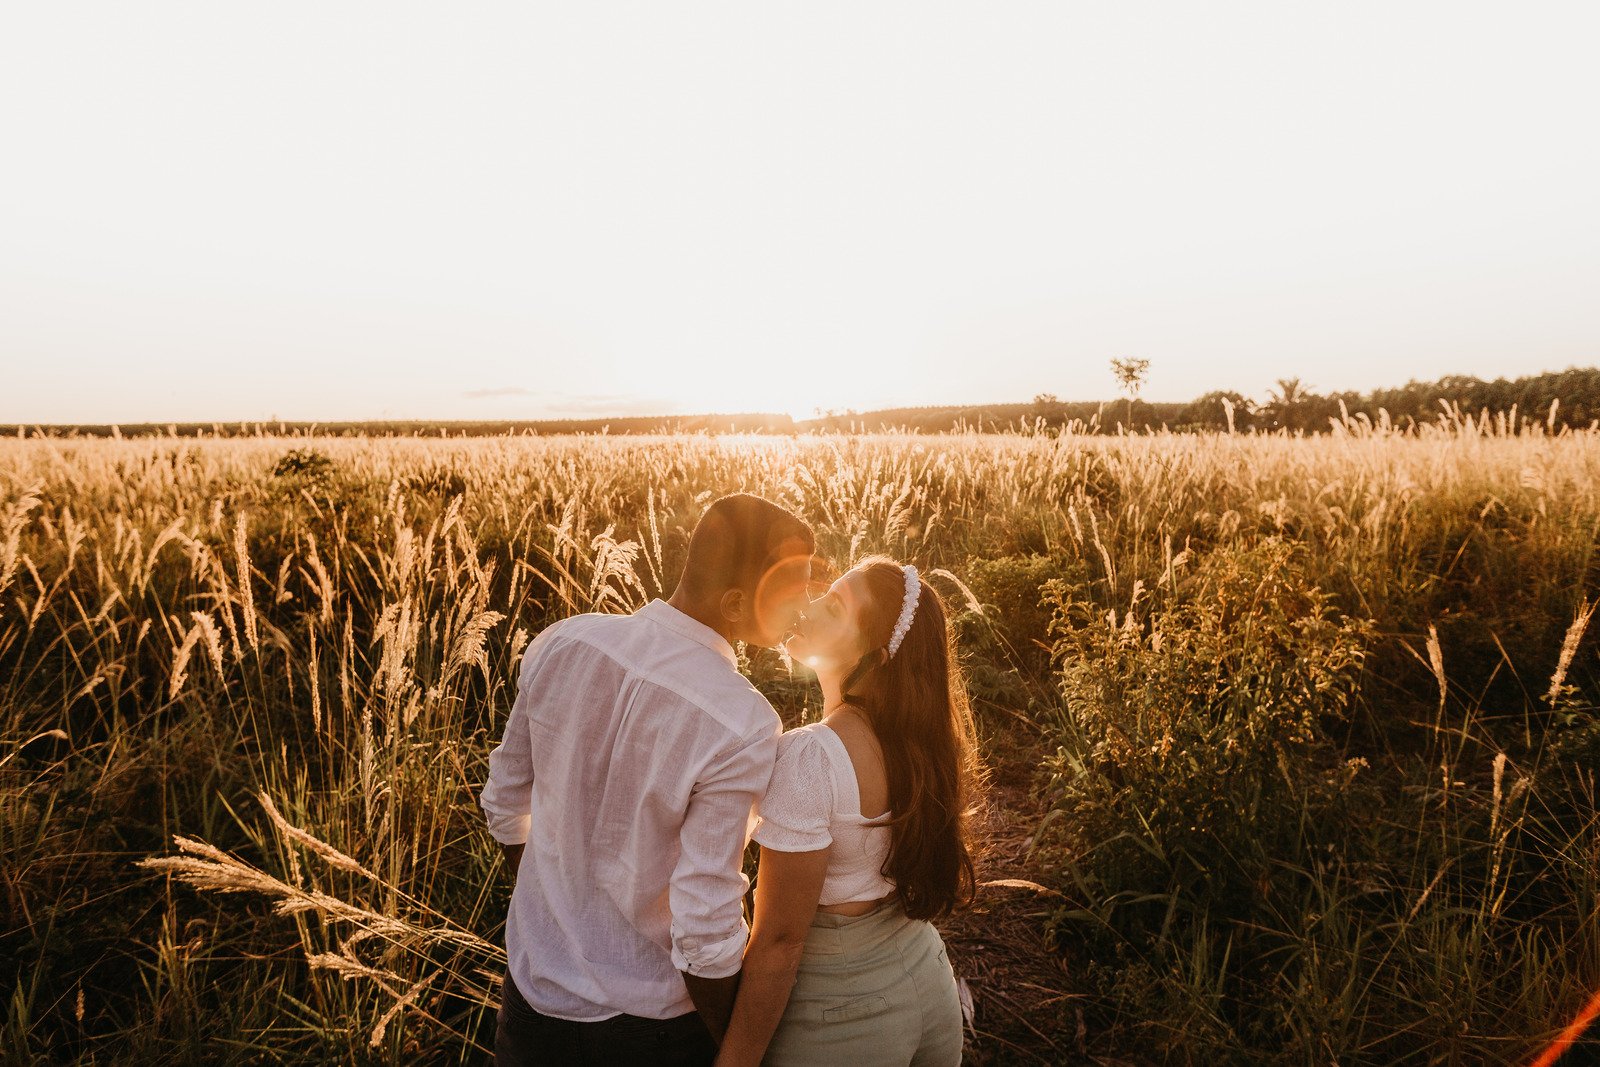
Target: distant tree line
632, 424
1289, 405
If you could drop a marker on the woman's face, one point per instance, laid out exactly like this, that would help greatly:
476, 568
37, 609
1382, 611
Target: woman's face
829, 636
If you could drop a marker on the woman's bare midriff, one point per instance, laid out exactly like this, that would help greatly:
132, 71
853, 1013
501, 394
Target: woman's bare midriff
852, 907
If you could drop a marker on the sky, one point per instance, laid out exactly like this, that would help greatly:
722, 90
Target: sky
340, 210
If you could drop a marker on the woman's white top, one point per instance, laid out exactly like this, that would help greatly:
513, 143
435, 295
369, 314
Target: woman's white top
814, 801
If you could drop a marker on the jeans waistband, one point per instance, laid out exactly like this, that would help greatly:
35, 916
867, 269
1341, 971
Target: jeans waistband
838, 934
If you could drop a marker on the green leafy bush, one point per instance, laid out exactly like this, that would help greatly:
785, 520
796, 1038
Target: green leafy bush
1017, 612
1196, 775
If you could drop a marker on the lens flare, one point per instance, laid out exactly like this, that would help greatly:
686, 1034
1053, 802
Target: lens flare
1574, 1030
781, 592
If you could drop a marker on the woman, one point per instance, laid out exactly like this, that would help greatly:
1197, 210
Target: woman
843, 967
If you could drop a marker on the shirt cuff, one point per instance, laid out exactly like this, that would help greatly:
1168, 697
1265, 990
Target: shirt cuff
709, 957
512, 830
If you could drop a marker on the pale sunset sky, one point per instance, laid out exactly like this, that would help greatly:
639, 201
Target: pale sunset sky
331, 210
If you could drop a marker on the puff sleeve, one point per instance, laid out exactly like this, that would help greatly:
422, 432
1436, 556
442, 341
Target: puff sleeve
798, 806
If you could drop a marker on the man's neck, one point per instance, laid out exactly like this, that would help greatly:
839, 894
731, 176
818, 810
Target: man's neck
706, 615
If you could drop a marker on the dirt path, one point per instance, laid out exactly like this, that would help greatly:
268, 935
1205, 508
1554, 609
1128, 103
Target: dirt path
1024, 1011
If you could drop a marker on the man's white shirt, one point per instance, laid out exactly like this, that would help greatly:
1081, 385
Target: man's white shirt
634, 753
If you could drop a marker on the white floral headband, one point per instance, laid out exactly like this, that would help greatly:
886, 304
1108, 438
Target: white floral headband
908, 608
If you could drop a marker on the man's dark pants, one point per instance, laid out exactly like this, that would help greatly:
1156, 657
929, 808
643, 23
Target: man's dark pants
525, 1038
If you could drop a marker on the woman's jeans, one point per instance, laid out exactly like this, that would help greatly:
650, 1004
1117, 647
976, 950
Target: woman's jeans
873, 990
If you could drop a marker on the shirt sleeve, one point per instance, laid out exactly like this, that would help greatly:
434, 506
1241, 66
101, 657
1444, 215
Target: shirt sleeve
507, 798
795, 814
708, 884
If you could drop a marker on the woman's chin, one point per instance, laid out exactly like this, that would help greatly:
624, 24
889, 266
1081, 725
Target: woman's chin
803, 654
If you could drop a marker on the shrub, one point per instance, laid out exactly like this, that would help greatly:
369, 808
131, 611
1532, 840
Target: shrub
304, 463
1017, 612
1196, 776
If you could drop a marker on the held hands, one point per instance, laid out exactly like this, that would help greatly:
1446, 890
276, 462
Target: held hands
513, 855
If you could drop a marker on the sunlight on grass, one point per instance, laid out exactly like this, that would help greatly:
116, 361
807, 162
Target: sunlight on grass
1315, 720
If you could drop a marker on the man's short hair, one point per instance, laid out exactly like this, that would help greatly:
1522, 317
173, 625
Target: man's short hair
740, 538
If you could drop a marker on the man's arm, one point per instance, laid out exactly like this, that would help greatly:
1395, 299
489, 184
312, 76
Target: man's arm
507, 797
708, 885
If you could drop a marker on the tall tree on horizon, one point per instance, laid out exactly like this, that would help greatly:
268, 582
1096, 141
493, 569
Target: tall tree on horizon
1130, 374
1285, 398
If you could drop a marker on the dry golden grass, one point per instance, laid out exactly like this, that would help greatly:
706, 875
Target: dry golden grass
288, 658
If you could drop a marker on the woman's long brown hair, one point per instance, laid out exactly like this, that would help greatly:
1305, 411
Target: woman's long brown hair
917, 705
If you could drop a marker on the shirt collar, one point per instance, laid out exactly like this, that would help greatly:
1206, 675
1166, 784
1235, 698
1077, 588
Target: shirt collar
659, 611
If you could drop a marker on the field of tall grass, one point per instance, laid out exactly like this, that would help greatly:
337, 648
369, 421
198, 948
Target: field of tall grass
1313, 724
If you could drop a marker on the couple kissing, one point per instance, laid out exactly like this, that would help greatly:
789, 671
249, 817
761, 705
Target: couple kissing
638, 763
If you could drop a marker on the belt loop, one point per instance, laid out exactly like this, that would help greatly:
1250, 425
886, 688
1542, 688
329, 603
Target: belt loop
824, 941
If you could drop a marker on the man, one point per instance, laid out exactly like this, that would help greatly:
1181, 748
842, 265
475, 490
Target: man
630, 763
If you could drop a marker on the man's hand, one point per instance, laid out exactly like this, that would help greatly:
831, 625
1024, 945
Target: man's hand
713, 999
513, 854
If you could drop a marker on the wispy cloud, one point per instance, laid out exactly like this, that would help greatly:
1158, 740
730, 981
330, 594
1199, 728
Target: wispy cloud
599, 405
554, 404
498, 390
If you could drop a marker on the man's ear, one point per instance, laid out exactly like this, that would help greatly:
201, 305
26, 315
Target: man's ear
732, 605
